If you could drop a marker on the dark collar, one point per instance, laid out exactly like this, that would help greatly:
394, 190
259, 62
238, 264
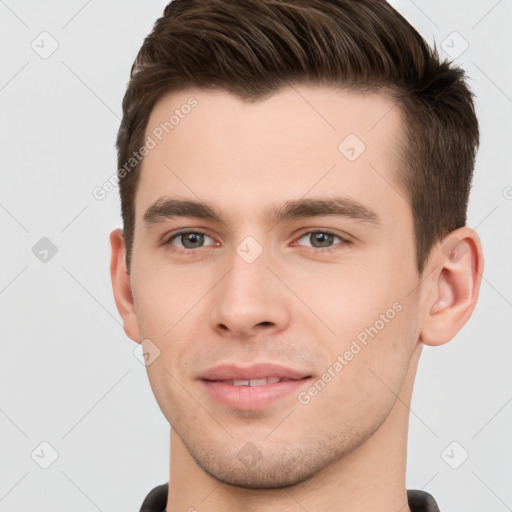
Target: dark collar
419, 501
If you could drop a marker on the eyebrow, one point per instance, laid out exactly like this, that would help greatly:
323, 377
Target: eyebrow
171, 208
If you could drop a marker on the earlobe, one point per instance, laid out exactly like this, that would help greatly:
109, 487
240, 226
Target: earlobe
456, 276
121, 285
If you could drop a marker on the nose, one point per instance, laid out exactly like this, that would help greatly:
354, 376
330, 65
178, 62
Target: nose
249, 300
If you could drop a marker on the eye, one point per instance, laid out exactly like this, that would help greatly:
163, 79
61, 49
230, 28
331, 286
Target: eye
319, 240
188, 240
322, 239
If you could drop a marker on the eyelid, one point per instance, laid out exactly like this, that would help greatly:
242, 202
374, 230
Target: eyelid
346, 239
168, 238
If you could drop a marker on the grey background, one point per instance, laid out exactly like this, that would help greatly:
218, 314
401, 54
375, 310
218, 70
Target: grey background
68, 373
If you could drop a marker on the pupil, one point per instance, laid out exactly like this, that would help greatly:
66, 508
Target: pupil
192, 238
323, 238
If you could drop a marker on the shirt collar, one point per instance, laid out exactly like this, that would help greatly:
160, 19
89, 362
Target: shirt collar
419, 501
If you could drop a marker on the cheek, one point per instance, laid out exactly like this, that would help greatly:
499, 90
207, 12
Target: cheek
368, 377
348, 300
165, 315
387, 341
165, 297
374, 330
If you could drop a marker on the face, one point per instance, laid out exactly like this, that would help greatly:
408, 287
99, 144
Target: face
295, 261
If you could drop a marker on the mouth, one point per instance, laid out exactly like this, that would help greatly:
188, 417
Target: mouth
252, 387
255, 382
257, 373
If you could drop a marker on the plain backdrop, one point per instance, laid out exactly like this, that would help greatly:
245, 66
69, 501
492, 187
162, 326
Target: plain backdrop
73, 395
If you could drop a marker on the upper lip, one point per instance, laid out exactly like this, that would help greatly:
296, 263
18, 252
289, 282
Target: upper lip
256, 371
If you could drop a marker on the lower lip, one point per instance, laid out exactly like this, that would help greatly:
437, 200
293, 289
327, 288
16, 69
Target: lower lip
252, 397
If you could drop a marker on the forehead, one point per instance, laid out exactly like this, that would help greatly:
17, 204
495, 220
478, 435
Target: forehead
211, 145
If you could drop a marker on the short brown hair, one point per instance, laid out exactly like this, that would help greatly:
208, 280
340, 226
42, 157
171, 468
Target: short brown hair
253, 48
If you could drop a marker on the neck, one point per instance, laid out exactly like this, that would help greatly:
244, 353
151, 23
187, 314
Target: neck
371, 477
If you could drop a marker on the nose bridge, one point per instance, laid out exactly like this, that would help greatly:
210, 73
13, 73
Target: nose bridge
249, 296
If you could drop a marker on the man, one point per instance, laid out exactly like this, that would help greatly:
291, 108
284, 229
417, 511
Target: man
294, 178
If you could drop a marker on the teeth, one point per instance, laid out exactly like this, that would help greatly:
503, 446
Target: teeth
254, 382
257, 382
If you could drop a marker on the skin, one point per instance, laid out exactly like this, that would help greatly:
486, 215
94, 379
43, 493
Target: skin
295, 305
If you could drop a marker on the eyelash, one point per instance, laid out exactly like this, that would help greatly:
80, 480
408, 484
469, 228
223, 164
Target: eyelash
315, 250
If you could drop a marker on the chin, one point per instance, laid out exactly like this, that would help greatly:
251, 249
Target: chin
268, 476
280, 467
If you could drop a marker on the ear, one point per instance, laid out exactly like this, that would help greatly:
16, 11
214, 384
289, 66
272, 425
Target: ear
452, 286
121, 285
